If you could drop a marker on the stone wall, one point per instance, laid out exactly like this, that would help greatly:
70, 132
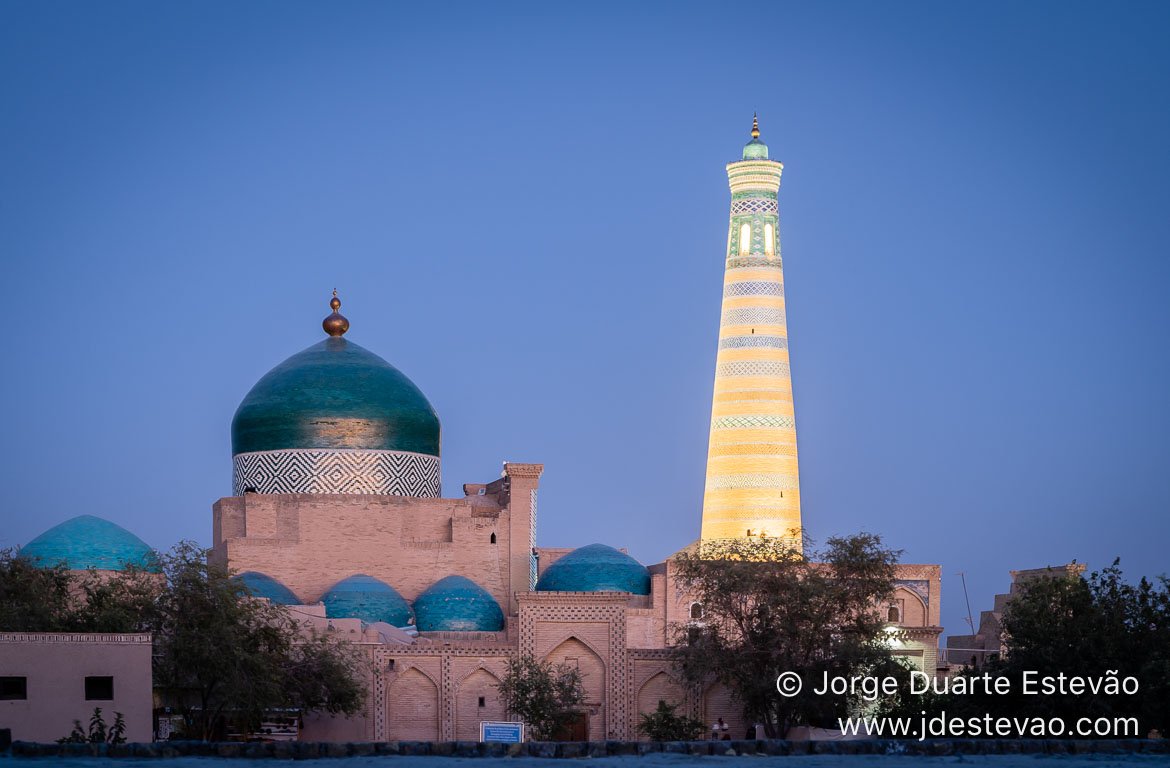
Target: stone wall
55, 667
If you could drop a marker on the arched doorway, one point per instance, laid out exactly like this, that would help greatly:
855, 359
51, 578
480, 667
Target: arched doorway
574, 653
476, 699
412, 708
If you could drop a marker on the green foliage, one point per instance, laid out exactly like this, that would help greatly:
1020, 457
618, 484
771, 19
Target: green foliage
33, 599
218, 655
1083, 627
97, 733
664, 725
769, 608
55, 599
544, 697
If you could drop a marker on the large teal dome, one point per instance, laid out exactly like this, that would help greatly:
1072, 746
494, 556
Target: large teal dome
366, 598
595, 568
263, 585
335, 395
90, 542
457, 604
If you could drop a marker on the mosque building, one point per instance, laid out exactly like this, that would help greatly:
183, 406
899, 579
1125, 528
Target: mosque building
336, 512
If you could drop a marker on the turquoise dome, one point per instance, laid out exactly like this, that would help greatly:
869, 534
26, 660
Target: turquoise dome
595, 568
457, 604
335, 395
755, 150
263, 585
90, 542
366, 598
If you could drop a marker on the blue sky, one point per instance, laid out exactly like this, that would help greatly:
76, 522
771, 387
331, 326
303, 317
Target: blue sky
524, 207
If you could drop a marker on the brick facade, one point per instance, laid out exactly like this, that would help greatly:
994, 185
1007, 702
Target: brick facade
443, 684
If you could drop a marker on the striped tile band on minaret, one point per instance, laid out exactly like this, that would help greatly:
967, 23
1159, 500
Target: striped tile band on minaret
752, 486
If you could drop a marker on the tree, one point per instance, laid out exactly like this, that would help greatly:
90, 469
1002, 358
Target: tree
768, 609
1096, 628
544, 697
33, 599
219, 654
664, 725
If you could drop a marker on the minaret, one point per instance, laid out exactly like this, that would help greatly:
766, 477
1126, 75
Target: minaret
752, 484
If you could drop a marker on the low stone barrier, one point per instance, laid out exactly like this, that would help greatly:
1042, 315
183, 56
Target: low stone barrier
302, 750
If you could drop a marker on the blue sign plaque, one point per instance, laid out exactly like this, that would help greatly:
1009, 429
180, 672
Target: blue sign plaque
507, 733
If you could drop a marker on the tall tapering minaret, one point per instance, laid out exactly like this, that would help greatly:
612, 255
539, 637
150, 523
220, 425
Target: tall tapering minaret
752, 484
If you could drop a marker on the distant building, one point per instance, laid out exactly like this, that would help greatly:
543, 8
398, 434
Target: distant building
988, 641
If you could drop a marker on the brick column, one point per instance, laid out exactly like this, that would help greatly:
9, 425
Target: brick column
523, 480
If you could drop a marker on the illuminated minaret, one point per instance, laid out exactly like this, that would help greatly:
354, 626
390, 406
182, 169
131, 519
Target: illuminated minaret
752, 483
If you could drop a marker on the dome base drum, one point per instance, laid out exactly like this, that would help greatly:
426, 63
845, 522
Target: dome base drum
392, 473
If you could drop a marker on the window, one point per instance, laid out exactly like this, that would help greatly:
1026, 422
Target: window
745, 239
893, 616
482, 702
13, 688
99, 688
769, 240
493, 538
696, 611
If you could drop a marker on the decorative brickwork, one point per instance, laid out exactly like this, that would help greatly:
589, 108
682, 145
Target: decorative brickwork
597, 621
752, 476
754, 288
392, 473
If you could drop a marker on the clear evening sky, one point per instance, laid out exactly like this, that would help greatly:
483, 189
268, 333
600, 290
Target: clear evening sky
524, 208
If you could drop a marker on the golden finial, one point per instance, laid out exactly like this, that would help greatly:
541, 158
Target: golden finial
755, 126
335, 325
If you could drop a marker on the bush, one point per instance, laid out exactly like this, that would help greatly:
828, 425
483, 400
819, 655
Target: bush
664, 725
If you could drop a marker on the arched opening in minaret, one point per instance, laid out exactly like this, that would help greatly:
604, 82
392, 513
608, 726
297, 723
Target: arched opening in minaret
745, 239
769, 240
493, 538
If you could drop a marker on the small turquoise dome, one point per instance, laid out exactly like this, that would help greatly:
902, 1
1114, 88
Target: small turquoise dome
596, 568
335, 395
90, 542
263, 585
755, 149
457, 604
366, 598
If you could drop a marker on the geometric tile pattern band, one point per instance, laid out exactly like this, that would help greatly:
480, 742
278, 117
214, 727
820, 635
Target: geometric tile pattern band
754, 422
388, 473
754, 205
754, 288
754, 340
784, 482
753, 316
753, 368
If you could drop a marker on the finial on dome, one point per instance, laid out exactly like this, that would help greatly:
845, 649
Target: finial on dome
755, 126
336, 324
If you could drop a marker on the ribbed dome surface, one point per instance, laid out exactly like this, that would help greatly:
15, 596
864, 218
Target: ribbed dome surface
596, 568
366, 598
263, 585
90, 542
335, 395
457, 604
